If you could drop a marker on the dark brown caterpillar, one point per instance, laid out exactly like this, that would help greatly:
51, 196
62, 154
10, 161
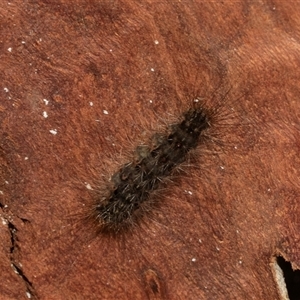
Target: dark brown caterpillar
135, 181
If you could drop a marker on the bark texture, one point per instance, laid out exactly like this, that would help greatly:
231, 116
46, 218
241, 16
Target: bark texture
85, 82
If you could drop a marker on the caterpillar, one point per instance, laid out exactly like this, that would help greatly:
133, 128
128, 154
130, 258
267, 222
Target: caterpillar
136, 181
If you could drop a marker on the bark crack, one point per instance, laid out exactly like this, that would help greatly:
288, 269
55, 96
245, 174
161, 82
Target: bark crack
14, 249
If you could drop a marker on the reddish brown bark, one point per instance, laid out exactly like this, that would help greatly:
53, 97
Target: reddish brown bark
65, 65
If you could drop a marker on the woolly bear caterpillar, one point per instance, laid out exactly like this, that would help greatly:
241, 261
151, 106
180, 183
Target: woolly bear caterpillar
136, 181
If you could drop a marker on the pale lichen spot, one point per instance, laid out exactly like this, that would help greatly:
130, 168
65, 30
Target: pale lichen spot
53, 131
88, 186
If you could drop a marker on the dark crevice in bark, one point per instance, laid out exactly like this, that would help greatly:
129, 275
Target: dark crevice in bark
30, 293
291, 277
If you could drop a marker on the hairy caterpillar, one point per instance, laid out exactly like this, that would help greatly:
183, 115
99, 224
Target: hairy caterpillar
136, 181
